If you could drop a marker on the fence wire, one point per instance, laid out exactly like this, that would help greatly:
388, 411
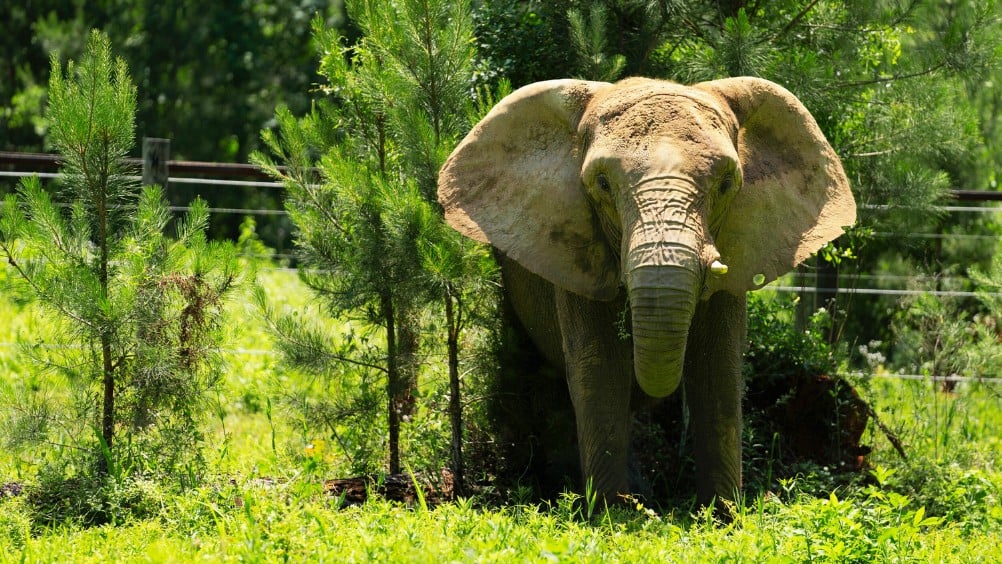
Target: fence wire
881, 292
780, 286
783, 285
856, 375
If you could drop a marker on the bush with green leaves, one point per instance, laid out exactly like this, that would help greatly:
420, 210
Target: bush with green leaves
802, 415
778, 349
134, 313
361, 178
865, 70
952, 336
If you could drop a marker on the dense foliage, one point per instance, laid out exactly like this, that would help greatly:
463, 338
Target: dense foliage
208, 75
371, 238
135, 312
267, 504
127, 318
906, 90
903, 90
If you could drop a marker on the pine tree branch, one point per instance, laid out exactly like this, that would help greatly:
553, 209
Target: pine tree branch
432, 82
655, 38
325, 210
355, 362
288, 338
873, 153
796, 19
42, 294
893, 78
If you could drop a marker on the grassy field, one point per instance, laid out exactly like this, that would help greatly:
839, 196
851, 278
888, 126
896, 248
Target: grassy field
265, 501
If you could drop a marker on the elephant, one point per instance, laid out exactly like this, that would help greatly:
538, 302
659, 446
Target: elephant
660, 201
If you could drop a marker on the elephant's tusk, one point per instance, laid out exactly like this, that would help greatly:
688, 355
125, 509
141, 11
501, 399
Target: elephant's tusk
718, 268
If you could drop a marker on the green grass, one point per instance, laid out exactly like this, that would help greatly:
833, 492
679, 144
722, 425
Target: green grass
259, 523
264, 502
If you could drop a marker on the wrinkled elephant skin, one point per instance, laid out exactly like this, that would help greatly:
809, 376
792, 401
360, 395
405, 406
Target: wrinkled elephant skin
671, 200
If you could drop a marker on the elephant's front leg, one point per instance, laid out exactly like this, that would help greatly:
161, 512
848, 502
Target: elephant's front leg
713, 391
599, 379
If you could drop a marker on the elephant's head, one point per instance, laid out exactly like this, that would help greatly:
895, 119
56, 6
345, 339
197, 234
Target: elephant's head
674, 191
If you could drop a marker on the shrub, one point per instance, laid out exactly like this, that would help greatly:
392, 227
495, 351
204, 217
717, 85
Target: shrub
135, 315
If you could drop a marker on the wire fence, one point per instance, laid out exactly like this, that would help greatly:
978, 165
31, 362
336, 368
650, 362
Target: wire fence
955, 378
230, 176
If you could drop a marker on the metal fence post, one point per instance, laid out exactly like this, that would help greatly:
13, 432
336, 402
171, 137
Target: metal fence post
156, 153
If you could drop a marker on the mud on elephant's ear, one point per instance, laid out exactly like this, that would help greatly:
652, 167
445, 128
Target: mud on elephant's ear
514, 182
795, 197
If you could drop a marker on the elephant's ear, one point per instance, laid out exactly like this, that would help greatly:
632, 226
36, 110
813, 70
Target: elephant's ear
515, 182
795, 197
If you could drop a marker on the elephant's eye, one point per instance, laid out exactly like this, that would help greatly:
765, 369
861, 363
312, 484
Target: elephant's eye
603, 183
727, 183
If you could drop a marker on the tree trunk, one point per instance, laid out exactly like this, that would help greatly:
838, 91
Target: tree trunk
393, 383
408, 342
455, 400
108, 407
107, 368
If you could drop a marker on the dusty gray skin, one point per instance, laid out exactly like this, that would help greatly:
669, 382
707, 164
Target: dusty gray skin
677, 198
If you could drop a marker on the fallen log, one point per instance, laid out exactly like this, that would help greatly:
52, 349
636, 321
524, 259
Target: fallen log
394, 487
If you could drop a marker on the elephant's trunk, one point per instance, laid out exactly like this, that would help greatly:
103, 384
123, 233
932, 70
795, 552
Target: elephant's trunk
663, 249
662, 301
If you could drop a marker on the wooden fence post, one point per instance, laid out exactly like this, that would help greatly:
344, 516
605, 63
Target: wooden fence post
826, 290
156, 153
806, 303
823, 295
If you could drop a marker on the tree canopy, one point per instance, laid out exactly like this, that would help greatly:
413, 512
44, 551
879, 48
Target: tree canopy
906, 90
208, 75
